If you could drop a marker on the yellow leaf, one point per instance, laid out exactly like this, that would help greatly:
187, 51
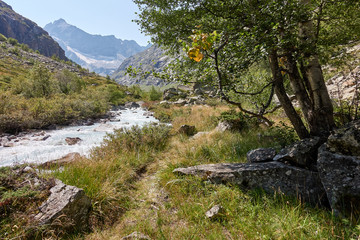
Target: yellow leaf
195, 54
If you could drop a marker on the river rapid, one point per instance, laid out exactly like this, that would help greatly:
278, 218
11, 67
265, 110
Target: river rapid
42, 146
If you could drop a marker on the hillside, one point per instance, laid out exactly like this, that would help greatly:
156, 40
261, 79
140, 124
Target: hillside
27, 32
152, 59
101, 54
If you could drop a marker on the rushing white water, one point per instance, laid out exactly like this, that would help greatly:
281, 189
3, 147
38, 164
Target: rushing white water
30, 149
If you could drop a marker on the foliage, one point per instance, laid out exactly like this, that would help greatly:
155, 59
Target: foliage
2, 38
282, 134
154, 94
229, 39
69, 82
12, 41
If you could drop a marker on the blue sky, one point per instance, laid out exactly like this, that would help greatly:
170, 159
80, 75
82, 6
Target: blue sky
106, 17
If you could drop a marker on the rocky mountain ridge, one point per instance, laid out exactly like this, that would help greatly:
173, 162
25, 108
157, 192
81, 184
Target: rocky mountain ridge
101, 54
152, 59
27, 32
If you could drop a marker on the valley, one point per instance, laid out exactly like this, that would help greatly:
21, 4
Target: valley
239, 121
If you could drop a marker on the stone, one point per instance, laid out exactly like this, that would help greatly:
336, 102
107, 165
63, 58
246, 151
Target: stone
302, 153
66, 207
199, 135
346, 140
131, 105
68, 158
261, 155
136, 236
187, 130
215, 212
340, 176
72, 141
45, 138
229, 125
7, 145
270, 176
170, 93
180, 102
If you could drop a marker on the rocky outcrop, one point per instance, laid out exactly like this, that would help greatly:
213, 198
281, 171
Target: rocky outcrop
340, 175
66, 207
327, 175
302, 153
261, 155
270, 176
25, 31
152, 59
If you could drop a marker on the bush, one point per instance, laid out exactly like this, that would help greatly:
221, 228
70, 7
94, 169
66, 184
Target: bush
2, 38
25, 47
15, 51
238, 120
69, 82
282, 134
13, 41
155, 94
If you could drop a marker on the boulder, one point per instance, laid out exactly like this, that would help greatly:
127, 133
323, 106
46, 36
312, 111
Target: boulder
230, 125
270, 176
261, 155
72, 141
340, 176
215, 212
187, 130
131, 105
68, 158
66, 207
180, 102
302, 153
346, 140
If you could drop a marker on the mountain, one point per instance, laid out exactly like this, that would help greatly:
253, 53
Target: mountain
25, 31
152, 59
102, 54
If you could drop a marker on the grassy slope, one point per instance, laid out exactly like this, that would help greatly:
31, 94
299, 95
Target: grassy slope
154, 201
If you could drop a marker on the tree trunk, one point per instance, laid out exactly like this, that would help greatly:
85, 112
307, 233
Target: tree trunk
320, 119
284, 99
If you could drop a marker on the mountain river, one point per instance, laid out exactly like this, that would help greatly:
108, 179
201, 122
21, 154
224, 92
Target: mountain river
43, 146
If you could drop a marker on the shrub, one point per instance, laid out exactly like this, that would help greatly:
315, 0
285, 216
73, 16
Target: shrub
69, 82
155, 94
25, 47
15, 51
238, 120
2, 38
13, 41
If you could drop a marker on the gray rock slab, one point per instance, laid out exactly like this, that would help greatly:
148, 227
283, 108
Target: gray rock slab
270, 176
261, 155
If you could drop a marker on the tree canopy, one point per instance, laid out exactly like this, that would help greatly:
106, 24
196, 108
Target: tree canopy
226, 40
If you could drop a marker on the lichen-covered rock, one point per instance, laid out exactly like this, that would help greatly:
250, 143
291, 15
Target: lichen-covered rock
187, 130
136, 236
215, 212
340, 175
230, 125
66, 207
270, 176
261, 155
346, 140
302, 153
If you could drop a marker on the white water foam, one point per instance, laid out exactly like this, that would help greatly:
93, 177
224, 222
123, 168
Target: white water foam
29, 150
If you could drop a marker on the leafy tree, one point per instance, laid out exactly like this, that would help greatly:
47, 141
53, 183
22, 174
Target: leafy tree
40, 82
226, 39
69, 82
